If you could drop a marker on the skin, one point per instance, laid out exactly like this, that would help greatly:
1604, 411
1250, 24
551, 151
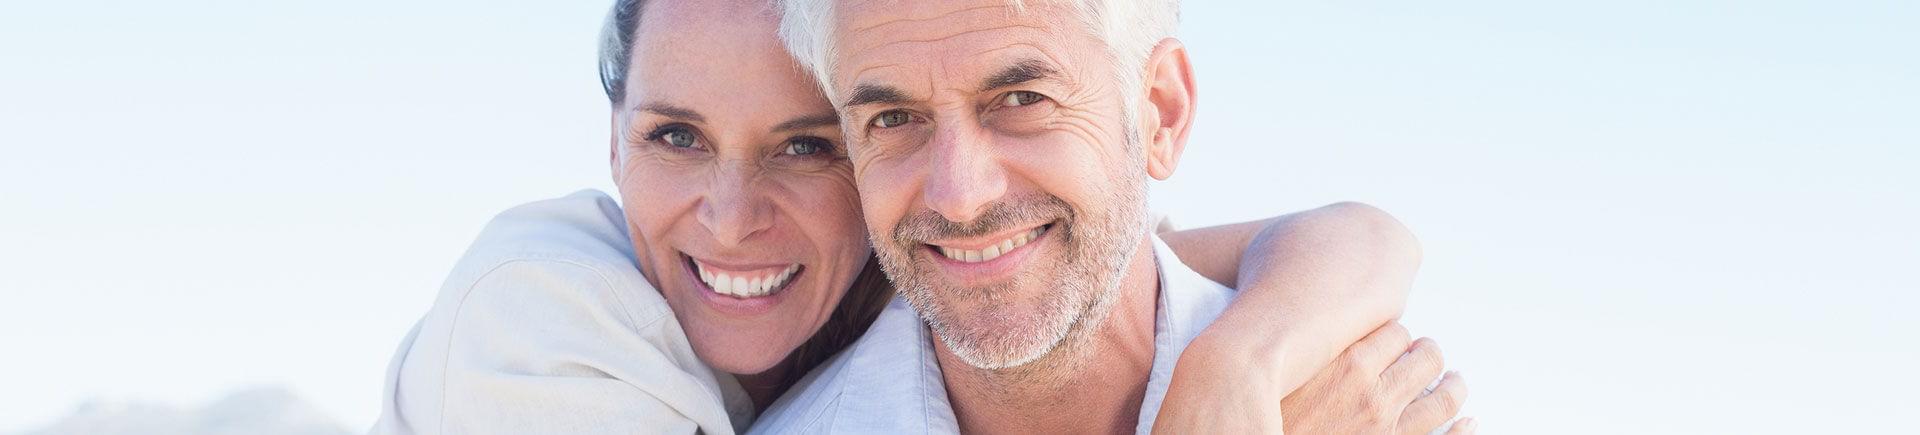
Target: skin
962, 150
1377, 386
1312, 283
752, 190
773, 186
926, 114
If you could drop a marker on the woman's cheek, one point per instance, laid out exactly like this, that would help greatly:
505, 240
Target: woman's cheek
827, 200
660, 193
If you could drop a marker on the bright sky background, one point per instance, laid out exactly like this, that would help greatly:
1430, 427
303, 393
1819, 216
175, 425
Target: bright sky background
1640, 216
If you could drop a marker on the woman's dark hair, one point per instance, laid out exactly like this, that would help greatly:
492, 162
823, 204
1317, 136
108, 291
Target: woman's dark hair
616, 47
869, 294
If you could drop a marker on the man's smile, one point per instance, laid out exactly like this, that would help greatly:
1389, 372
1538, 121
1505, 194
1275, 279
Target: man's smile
986, 259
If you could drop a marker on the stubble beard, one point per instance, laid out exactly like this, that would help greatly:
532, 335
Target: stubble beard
1079, 291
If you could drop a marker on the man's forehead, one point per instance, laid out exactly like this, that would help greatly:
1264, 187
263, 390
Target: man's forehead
863, 25
907, 43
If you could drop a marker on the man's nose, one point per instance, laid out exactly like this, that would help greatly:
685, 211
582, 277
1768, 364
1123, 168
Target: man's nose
965, 175
733, 208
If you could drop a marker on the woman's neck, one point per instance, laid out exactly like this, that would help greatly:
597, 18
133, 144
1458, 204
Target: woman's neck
765, 387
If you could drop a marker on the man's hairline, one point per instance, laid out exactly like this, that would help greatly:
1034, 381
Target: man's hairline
820, 59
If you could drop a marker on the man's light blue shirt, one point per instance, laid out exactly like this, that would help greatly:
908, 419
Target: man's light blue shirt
889, 383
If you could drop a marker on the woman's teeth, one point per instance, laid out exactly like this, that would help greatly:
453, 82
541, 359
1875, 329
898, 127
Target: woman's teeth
744, 286
994, 251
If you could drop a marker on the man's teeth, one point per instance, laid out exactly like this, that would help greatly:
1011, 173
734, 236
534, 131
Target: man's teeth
993, 251
742, 286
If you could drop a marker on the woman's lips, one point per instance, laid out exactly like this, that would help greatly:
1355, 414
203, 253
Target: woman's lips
743, 282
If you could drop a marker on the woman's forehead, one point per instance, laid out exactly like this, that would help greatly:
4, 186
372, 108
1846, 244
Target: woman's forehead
698, 56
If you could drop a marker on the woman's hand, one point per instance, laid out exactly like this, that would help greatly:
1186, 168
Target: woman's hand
1378, 386
1311, 284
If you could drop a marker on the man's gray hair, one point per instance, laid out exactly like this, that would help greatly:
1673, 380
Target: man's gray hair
1130, 28
616, 47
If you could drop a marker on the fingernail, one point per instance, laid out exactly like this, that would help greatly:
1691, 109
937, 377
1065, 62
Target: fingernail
1471, 423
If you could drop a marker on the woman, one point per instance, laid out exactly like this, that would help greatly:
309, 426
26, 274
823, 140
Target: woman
742, 217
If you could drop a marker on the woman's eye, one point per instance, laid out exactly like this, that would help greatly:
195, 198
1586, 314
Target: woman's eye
679, 139
1022, 98
806, 146
891, 119
674, 136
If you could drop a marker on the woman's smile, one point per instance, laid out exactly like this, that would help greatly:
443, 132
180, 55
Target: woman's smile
743, 281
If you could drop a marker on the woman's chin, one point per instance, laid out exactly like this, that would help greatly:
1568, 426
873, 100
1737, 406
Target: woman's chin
731, 360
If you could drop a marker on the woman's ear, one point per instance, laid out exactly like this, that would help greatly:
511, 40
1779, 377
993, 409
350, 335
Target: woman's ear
1170, 103
613, 146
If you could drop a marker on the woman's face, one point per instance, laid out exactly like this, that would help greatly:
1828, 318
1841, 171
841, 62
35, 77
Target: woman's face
737, 188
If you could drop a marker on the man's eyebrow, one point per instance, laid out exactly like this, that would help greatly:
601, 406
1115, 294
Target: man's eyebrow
875, 94
1020, 72
672, 111
808, 122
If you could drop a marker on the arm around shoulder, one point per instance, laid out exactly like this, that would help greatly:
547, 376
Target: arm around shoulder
1311, 283
554, 345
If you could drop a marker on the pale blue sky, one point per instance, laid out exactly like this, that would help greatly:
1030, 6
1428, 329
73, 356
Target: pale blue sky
1639, 216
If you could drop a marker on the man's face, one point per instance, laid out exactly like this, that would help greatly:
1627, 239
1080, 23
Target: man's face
999, 180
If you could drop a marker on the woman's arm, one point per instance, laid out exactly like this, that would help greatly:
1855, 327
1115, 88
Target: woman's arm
1312, 283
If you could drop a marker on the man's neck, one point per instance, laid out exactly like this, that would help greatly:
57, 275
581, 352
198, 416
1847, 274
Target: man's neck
1093, 383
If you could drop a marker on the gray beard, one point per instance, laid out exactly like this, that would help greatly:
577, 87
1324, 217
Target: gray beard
1084, 286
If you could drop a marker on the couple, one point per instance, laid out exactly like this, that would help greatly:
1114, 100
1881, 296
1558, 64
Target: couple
991, 158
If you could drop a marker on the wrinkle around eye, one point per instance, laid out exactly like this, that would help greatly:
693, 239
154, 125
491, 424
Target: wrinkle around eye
661, 154
1085, 125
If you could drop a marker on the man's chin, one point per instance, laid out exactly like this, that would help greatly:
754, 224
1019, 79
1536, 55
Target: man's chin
992, 338
995, 353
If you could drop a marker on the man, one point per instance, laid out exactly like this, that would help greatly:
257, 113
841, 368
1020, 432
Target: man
1002, 151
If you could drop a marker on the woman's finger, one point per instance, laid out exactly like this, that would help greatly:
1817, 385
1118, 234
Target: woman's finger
1465, 426
1410, 375
1372, 355
1432, 410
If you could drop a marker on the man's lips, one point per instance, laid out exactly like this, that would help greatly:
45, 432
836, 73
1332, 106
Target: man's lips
982, 249
962, 267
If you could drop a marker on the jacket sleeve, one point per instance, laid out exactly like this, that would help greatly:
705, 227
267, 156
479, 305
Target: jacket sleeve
555, 346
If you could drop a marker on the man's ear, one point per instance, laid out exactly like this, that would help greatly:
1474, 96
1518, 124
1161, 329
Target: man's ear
1170, 104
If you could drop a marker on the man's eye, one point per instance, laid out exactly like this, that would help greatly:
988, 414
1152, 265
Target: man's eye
676, 136
1022, 98
891, 119
806, 146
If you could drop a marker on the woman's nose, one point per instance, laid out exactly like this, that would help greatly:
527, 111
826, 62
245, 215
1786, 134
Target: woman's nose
733, 208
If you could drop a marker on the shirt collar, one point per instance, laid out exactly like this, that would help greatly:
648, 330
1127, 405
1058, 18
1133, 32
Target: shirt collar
896, 386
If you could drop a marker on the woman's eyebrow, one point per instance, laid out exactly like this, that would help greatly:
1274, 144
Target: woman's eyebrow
809, 122
672, 111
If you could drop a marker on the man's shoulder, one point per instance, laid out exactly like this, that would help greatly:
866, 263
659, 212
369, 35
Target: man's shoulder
1188, 303
1186, 291
810, 405
887, 378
